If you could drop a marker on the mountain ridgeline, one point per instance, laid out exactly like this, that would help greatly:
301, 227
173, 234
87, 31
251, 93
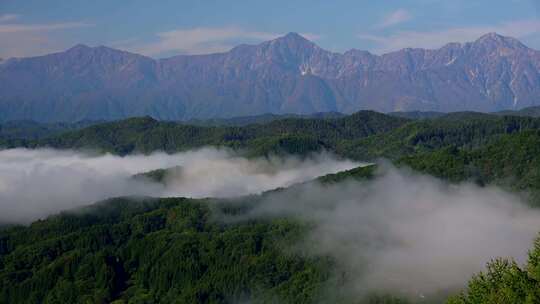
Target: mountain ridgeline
287, 75
289, 135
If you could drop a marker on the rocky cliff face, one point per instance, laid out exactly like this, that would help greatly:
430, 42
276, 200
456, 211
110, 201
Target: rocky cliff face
286, 75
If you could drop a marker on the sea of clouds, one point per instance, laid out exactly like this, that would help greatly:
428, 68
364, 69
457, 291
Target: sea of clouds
401, 231
37, 183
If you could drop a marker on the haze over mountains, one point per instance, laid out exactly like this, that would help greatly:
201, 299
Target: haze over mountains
287, 75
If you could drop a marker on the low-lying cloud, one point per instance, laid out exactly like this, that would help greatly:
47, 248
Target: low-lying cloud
408, 233
400, 232
36, 183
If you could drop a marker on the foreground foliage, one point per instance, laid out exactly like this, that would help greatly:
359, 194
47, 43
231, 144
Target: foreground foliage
504, 282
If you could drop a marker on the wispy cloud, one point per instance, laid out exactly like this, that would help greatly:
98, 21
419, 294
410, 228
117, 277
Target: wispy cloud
312, 36
197, 40
16, 28
394, 18
8, 17
56, 180
437, 38
31, 39
201, 40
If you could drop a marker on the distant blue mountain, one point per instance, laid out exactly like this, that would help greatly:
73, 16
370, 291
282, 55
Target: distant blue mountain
287, 75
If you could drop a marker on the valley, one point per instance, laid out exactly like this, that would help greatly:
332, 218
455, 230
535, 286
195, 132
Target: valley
305, 239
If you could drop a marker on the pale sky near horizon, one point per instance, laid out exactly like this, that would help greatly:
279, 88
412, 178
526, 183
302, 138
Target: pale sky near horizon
166, 28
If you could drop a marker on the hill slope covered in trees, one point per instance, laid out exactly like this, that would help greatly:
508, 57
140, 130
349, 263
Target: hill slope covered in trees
150, 250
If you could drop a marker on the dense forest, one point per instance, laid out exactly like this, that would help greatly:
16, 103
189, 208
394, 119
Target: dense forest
363, 135
154, 251
162, 250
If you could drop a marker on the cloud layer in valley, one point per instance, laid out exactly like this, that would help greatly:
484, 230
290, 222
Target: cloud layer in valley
401, 231
36, 183
408, 233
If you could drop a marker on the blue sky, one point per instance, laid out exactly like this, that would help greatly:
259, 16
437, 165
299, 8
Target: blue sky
165, 28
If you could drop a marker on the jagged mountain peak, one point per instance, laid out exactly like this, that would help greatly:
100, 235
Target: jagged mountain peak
493, 36
494, 40
290, 52
79, 47
293, 36
110, 59
293, 41
289, 74
83, 48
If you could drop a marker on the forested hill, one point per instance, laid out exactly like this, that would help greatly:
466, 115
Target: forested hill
154, 251
290, 135
364, 135
27, 129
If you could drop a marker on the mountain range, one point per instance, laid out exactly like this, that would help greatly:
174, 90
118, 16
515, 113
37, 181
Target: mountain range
289, 74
